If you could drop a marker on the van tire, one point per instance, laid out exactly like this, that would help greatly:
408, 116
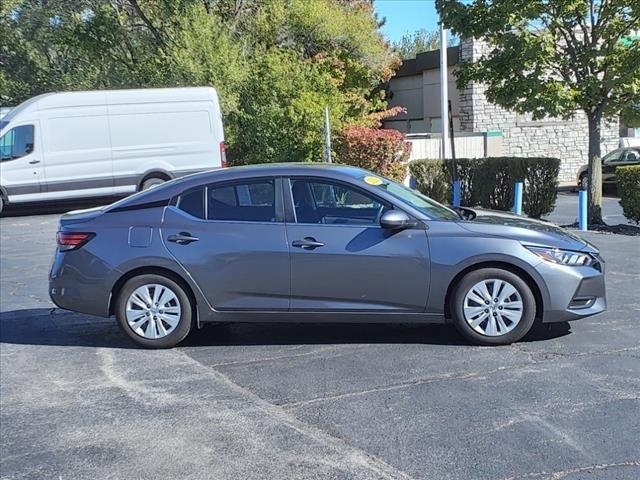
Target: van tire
1, 203
151, 182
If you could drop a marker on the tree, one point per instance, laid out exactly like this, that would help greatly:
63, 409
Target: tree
551, 58
413, 43
276, 64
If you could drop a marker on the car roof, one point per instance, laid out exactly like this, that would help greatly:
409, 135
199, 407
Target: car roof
175, 187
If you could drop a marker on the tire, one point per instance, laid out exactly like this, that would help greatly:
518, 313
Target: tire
584, 181
1, 204
151, 182
170, 327
493, 323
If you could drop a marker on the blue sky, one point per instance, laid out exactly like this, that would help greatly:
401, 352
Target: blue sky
406, 16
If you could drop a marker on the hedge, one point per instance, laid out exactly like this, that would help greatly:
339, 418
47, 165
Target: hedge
489, 182
628, 181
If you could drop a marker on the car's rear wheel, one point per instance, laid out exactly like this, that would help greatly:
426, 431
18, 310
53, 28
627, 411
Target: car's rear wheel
154, 311
492, 306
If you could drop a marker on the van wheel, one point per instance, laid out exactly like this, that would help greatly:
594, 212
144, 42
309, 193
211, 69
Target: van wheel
1, 203
151, 182
492, 306
154, 311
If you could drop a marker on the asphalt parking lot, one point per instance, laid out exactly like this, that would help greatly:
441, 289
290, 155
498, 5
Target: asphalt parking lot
78, 401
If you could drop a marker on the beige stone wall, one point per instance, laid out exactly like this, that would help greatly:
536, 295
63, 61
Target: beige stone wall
565, 139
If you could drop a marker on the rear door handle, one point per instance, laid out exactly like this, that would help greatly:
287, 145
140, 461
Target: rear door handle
182, 238
33, 162
308, 243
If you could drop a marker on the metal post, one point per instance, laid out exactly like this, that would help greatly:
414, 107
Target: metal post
444, 93
517, 201
456, 193
582, 210
327, 136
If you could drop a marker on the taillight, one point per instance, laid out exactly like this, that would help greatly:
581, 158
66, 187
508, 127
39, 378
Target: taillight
72, 240
223, 155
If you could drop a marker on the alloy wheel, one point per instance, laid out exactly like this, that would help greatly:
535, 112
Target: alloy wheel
153, 311
493, 307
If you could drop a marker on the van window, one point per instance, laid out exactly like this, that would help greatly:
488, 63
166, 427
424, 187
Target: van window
246, 202
68, 134
16, 143
192, 202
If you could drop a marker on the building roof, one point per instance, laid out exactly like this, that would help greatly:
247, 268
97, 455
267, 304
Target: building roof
428, 61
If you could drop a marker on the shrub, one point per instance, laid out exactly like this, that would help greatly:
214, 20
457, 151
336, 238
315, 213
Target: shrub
489, 182
380, 150
628, 180
431, 179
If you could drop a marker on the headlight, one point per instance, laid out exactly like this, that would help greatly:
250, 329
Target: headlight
563, 257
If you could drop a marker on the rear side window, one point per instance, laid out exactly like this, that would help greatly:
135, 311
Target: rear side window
192, 202
16, 143
244, 202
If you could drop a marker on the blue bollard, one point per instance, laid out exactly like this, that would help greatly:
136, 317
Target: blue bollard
456, 193
582, 210
517, 200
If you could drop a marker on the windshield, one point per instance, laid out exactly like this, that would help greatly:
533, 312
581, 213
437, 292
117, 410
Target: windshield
414, 198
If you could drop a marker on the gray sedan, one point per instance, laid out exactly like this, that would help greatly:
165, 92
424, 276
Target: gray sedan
316, 242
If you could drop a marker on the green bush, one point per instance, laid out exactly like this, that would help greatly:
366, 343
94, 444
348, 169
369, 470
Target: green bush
431, 179
628, 180
489, 182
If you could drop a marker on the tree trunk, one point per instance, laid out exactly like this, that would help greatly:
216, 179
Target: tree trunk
595, 168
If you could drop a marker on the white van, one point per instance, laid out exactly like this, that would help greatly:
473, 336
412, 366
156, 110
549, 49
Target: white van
103, 143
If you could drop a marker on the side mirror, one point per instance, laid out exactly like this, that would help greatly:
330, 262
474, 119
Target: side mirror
396, 220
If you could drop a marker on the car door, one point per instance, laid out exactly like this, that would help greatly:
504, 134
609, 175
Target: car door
21, 162
609, 164
231, 239
342, 260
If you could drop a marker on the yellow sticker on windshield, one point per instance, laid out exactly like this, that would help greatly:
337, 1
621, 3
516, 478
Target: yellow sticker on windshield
373, 180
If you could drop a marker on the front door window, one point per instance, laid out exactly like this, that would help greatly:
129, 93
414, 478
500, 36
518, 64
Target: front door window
16, 143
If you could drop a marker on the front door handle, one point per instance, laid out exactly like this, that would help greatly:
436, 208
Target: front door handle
33, 162
308, 243
182, 238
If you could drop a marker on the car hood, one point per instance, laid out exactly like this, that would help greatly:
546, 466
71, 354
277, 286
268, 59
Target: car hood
526, 230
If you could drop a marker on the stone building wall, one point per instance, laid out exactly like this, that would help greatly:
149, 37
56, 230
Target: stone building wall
522, 136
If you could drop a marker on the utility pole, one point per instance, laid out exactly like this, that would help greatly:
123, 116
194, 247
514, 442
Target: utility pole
327, 136
444, 94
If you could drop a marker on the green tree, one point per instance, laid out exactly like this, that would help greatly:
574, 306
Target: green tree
417, 42
553, 58
275, 63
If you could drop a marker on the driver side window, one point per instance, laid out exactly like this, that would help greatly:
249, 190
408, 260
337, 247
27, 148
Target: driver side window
16, 143
318, 201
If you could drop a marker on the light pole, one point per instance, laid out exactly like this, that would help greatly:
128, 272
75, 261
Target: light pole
444, 94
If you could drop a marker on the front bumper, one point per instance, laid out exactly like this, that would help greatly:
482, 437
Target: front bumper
574, 292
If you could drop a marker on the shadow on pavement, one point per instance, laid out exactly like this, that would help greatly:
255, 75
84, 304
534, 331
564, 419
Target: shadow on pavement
58, 327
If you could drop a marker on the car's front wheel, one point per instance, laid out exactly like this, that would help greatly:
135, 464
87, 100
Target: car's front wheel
154, 311
492, 306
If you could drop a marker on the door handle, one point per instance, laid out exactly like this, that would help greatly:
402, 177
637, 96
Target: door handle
308, 243
33, 162
182, 238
